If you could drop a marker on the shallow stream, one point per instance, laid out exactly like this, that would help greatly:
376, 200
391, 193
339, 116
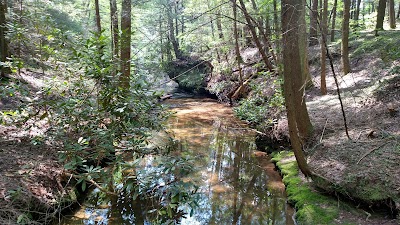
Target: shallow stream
237, 183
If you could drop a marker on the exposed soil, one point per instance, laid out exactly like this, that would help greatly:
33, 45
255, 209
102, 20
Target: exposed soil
30, 176
367, 166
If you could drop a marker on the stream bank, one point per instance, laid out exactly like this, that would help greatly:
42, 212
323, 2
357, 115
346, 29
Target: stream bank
314, 205
235, 181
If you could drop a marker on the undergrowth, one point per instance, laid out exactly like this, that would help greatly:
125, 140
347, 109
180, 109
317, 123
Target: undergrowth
261, 106
386, 44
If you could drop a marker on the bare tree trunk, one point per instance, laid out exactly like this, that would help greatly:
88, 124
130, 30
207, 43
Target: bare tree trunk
237, 50
168, 48
3, 42
392, 15
291, 13
324, 31
98, 20
126, 43
254, 35
160, 32
313, 23
357, 12
220, 33
182, 19
352, 9
380, 16
172, 38
334, 11
276, 21
219, 25
260, 20
114, 28
345, 37
176, 17
398, 12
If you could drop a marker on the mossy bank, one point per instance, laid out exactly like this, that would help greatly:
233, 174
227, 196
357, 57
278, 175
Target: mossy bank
315, 206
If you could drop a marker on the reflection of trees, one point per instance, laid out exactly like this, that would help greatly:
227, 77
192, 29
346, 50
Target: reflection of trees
248, 202
236, 190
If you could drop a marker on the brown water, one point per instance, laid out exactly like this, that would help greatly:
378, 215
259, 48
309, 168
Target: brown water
238, 184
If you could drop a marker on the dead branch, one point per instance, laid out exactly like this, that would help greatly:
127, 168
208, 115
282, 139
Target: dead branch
370, 151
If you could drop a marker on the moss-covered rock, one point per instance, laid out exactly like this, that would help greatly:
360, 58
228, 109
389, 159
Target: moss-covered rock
312, 207
190, 74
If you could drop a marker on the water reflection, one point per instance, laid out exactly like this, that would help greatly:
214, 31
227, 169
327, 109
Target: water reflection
238, 184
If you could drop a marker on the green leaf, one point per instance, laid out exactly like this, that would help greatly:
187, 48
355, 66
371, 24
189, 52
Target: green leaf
84, 185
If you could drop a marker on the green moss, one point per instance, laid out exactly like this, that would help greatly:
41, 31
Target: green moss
312, 207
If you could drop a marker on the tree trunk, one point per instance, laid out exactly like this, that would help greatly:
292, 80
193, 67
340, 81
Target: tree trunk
126, 43
352, 9
172, 38
3, 42
334, 10
314, 23
398, 11
97, 9
357, 12
254, 35
380, 16
392, 15
291, 15
219, 25
260, 20
276, 22
324, 31
114, 28
373, 6
220, 33
182, 19
176, 18
345, 37
237, 50
160, 33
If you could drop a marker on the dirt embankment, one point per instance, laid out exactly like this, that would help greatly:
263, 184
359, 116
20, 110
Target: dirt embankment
32, 190
367, 166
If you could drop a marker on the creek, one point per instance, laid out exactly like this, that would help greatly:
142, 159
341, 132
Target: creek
237, 184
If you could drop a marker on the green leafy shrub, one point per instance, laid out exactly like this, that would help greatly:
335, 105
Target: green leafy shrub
257, 107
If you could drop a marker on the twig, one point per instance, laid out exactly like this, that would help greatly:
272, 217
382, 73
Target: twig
370, 151
323, 131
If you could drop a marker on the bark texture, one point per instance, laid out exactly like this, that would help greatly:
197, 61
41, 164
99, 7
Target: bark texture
114, 28
324, 31
293, 90
237, 50
172, 37
313, 23
381, 15
98, 20
3, 42
125, 43
392, 15
345, 37
334, 12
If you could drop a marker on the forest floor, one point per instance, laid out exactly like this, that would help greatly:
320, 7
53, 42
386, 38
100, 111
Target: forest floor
365, 167
30, 174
